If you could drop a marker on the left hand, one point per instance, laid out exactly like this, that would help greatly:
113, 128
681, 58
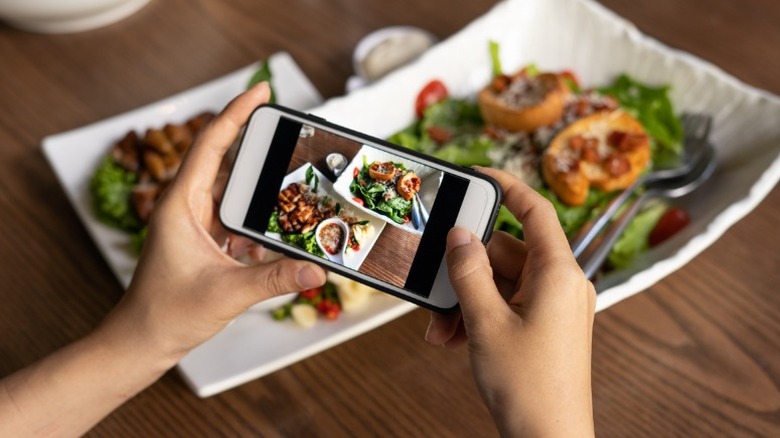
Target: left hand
186, 288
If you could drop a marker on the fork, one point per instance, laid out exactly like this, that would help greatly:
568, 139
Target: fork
697, 129
593, 257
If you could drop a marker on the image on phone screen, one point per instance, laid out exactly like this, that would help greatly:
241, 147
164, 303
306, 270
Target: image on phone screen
362, 207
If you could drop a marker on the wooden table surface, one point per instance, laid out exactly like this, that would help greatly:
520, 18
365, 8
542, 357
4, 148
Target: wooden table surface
698, 354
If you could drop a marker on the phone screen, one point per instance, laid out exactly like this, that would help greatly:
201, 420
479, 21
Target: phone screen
368, 209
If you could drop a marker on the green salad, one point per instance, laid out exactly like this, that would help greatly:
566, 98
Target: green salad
453, 129
381, 196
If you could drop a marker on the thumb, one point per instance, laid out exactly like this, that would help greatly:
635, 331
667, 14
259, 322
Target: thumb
263, 281
472, 278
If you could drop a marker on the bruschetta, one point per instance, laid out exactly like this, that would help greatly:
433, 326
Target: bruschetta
608, 150
523, 103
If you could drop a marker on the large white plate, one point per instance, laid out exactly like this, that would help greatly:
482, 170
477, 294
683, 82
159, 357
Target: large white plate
429, 187
254, 344
598, 45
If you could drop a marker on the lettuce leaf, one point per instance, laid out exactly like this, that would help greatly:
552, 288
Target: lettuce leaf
634, 238
110, 187
653, 108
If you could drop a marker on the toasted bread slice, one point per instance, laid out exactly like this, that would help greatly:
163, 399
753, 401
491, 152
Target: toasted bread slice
607, 150
524, 104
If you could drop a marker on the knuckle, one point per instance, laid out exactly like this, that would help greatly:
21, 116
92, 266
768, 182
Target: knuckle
276, 278
465, 263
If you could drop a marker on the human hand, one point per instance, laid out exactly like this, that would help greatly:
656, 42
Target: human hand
527, 315
186, 288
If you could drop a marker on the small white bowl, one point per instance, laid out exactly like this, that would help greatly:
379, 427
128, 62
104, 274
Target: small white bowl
338, 257
63, 16
385, 50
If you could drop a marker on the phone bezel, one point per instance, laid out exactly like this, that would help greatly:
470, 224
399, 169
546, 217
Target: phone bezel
483, 193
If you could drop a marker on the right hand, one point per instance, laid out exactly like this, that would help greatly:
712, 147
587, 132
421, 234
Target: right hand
527, 315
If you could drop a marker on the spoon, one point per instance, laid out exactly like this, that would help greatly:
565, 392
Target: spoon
591, 260
419, 213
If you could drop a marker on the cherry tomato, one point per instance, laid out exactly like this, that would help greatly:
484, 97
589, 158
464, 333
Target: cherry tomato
358, 201
431, 93
438, 134
672, 221
571, 80
355, 172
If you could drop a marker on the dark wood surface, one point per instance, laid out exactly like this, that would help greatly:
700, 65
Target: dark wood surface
698, 354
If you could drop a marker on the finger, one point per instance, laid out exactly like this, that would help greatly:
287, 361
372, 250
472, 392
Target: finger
541, 228
442, 328
472, 277
263, 281
507, 255
202, 162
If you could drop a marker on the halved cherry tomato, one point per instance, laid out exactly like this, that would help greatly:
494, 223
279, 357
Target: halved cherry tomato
358, 201
431, 93
355, 172
438, 134
672, 221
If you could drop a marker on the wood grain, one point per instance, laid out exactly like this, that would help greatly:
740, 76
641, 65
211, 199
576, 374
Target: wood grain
697, 354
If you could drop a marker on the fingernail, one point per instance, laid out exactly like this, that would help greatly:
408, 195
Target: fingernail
430, 333
309, 277
458, 237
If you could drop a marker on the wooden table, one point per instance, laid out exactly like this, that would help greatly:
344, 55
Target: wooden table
698, 354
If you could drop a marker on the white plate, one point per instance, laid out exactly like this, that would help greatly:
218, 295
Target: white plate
429, 187
351, 259
597, 44
254, 344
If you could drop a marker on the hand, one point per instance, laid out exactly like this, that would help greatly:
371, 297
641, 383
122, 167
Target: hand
527, 315
186, 288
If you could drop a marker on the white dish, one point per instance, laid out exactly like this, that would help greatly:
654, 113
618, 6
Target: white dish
56, 16
598, 45
431, 180
351, 259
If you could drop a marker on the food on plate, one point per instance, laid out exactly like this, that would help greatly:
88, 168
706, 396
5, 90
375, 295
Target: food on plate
408, 185
523, 102
603, 139
300, 208
390, 193
352, 295
607, 150
381, 171
126, 185
332, 238
336, 295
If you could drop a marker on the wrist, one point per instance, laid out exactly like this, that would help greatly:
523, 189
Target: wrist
129, 338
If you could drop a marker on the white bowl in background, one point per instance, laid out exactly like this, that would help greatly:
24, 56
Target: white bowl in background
58, 16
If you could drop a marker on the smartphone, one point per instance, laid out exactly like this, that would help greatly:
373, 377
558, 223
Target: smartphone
356, 205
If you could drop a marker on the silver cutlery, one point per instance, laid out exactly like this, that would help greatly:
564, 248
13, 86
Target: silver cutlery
593, 256
419, 213
697, 128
